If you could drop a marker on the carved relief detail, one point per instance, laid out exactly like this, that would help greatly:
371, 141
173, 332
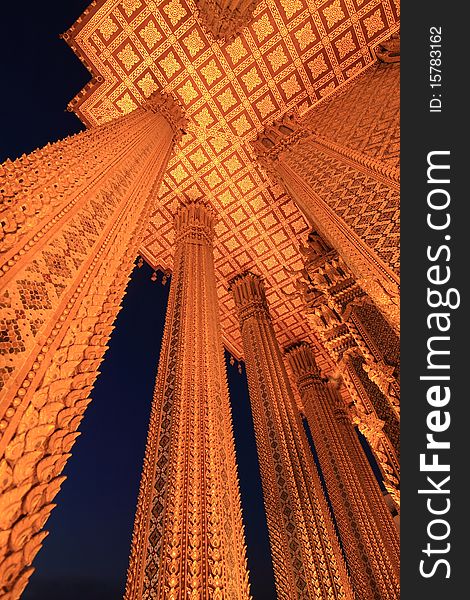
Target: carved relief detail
368, 534
226, 18
67, 255
362, 345
188, 537
306, 555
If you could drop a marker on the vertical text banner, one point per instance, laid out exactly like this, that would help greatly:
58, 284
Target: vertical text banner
435, 249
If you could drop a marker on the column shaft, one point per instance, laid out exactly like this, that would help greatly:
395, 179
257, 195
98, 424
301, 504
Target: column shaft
307, 559
368, 534
188, 538
372, 411
333, 186
73, 217
362, 345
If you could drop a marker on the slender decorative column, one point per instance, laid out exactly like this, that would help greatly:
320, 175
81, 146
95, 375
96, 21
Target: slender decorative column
337, 309
188, 536
369, 536
332, 185
308, 563
226, 18
371, 411
326, 272
73, 216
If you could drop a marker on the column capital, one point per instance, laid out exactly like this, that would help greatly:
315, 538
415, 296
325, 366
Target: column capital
278, 137
249, 294
302, 361
170, 108
296, 511
195, 219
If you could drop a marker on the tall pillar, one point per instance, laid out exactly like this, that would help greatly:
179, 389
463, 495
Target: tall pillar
326, 273
361, 344
333, 186
369, 536
188, 536
74, 214
371, 410
308, 563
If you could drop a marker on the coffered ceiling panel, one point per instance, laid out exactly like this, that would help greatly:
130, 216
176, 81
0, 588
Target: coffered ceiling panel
294, 53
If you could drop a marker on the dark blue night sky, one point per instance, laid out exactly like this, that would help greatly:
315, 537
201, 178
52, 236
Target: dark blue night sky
86, 554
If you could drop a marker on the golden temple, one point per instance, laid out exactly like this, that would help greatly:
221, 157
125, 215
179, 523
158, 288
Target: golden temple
250, 149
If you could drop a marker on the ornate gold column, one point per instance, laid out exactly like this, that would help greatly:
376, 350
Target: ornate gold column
73, 216
188, 536
327, 274
362, 345
312, 169
308, 563
369, 536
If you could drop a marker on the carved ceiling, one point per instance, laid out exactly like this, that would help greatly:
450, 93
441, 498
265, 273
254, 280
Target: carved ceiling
294, 53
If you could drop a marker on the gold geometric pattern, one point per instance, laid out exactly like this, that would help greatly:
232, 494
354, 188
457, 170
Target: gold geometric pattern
193, 43
370, 208
126, 104
277, 58
291, 7
317, 66
305, 36
374, 23
265, 106
130, 6
150, 34
128, 57
333, 13
290, 55
147, 84
170, 65
374, 130
175, 11
345, 44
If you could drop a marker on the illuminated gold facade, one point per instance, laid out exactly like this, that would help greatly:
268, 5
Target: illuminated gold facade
291, 124
294, 53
